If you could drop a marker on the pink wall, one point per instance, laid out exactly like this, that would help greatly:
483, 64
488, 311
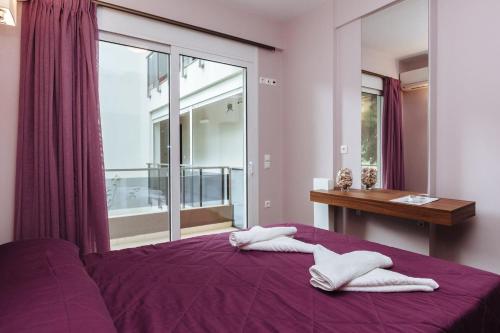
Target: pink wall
467, 120
213, 15
9, 84
308, 117
348, 10
271, 133
415, 139
380, 63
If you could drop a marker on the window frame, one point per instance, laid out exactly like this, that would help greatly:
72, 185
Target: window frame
380, 107
158, 79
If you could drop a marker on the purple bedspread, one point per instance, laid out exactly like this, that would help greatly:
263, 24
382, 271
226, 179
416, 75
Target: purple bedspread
45, 288
205, 285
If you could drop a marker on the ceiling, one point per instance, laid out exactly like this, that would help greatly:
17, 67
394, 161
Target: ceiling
400, 30
280, 10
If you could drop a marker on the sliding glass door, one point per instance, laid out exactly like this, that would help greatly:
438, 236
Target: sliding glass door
134, 99
175, 145
212, 146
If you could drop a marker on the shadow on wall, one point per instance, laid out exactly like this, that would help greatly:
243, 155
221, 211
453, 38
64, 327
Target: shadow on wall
390, 231
450, 240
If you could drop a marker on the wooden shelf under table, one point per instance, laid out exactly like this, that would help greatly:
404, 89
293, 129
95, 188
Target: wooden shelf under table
443, 211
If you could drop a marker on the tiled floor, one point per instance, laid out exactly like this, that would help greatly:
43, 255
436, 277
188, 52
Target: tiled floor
162, 237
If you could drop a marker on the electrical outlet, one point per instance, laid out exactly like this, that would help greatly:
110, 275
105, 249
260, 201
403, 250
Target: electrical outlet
267, 204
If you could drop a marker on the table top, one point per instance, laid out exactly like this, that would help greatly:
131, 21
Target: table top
443, 211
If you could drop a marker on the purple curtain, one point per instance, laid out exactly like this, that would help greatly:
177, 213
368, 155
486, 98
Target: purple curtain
393, 173
60, 188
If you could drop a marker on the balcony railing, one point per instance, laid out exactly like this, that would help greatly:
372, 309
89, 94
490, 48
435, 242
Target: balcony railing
201, 186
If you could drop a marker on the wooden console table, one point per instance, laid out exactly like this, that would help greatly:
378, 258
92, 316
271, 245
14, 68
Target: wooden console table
444, 211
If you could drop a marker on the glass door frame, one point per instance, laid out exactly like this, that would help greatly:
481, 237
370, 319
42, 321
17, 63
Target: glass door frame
129, 41
251, 135
251, 164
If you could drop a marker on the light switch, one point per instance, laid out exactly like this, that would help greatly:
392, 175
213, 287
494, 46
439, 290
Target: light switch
344, 149
267, 161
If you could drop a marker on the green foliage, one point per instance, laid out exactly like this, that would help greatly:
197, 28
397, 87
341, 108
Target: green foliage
369, 132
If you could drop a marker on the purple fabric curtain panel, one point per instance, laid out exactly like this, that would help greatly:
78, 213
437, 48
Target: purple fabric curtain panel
393, 171
60, 187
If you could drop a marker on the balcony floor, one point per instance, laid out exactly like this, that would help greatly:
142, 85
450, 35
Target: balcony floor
163, 237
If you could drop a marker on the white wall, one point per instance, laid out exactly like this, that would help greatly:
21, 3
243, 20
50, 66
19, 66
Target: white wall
125, 119
218, 136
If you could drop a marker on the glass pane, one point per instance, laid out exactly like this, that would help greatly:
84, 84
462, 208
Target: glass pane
162, 67
213, 152
135, 131
369, 132
152, 71
371, 110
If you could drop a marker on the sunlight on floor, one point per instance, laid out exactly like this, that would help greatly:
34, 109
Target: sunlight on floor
163, 237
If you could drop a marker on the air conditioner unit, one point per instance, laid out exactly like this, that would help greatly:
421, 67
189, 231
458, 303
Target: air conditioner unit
416, 79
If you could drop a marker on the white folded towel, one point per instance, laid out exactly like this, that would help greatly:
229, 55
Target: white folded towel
383, 280
259, 234
332, 271
280, 244
376, 280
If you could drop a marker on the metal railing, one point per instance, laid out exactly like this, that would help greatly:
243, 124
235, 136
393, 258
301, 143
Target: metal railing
225, 183
200, 185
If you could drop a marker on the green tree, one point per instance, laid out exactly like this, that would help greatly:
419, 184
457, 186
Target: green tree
369, 132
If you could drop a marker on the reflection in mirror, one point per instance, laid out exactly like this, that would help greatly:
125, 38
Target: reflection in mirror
395, 89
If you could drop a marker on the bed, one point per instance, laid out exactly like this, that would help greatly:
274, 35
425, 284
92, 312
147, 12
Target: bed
204, 285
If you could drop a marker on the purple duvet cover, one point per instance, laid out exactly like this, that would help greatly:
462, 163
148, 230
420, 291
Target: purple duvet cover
205, 285
45, 288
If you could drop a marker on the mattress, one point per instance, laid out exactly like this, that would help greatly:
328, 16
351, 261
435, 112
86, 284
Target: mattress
205, 285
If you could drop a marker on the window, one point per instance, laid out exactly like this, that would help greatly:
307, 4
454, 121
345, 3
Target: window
160, 142
207, 109
371, 111
157, 70
136, 154
188, 61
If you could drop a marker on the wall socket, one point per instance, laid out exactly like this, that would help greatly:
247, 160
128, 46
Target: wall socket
267, 204
268, 81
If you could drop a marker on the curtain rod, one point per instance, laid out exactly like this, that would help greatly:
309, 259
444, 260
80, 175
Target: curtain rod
179, 24
374, 74
182, 24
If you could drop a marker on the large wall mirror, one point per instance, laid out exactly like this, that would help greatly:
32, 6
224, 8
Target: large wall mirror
395, 95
